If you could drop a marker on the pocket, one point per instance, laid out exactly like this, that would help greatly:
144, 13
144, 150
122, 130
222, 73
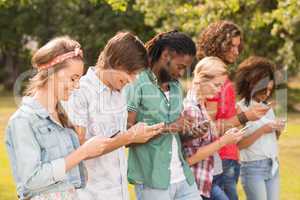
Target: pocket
47, 137
253, 169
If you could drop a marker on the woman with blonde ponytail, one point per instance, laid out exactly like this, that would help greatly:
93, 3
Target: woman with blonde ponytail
202, 152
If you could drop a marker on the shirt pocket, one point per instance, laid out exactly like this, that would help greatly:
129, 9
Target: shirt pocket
49, 142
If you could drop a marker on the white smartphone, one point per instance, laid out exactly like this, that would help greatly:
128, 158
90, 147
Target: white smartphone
244, 128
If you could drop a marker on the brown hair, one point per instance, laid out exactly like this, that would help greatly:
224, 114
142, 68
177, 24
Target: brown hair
46, 53
216, 39
251, 74
123, 51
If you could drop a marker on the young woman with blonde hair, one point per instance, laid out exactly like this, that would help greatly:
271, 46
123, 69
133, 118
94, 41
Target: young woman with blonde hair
202, 152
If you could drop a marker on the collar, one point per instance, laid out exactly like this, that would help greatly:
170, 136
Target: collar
152, 76
35, 106
93, 80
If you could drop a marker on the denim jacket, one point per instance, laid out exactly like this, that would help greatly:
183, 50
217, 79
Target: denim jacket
37, 146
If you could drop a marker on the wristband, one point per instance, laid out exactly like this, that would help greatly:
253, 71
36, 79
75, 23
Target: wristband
242, 118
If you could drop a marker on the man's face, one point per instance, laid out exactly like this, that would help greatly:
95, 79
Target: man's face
175, 66
233, 52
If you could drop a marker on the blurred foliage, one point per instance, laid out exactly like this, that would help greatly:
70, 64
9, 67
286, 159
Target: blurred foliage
271, 27
91, 22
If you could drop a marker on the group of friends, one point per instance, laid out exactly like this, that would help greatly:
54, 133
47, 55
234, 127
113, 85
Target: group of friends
67, 139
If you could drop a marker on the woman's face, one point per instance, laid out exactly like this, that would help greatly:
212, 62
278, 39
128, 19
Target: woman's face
67, 79
233, 52
264, 94
209, 87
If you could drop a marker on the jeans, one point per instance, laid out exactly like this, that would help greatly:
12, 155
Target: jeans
176, 191
229, 178
216, 194
258, 182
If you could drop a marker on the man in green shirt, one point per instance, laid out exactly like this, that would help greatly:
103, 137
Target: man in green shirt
158, 168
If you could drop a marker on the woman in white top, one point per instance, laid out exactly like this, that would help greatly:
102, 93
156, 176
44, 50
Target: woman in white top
99, 108
255, 83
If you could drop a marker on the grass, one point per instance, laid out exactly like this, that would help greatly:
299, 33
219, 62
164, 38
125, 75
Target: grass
289, 157
7, 186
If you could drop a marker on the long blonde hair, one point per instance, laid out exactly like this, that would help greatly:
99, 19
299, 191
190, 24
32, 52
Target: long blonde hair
206, 70
45, 54
209, 68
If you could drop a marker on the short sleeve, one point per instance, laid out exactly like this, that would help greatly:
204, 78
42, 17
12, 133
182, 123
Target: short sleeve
133, 96
255, 125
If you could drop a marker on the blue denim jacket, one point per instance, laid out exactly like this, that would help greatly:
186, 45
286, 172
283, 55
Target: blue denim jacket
37, 146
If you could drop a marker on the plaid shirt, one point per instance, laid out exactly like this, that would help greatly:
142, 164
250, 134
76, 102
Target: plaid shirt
204, 169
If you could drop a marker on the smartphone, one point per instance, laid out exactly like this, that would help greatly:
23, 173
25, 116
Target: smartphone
115, 134
244, 128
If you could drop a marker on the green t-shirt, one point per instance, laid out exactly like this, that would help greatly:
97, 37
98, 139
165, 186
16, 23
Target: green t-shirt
149, 163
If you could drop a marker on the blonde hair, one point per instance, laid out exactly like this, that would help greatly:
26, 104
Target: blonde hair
209, 68
46, 53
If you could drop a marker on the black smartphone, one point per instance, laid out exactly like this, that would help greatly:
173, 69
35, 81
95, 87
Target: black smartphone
115, 134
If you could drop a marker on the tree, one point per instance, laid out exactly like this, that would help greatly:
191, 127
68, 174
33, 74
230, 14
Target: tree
91, 22
271, 27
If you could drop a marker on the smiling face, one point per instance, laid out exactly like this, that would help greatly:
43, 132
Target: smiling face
174, 66
66, 79
233, 52
208, 87
117, 78
264, 94
209, 76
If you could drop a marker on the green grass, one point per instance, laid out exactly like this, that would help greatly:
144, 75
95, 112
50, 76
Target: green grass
7, 186
289, 158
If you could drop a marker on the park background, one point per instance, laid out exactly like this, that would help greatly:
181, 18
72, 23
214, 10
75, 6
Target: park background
271, 29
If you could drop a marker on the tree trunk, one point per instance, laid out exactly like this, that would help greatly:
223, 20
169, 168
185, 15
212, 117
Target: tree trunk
11, 69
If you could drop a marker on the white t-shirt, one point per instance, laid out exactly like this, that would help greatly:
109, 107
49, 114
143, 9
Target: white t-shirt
177, 174
265, 146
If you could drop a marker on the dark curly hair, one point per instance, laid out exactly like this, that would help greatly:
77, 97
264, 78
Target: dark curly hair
216, 39
253, 76
174, 41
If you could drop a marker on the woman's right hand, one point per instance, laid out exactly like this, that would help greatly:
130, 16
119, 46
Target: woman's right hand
141, 132
256, 112
231, 136
277, 125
